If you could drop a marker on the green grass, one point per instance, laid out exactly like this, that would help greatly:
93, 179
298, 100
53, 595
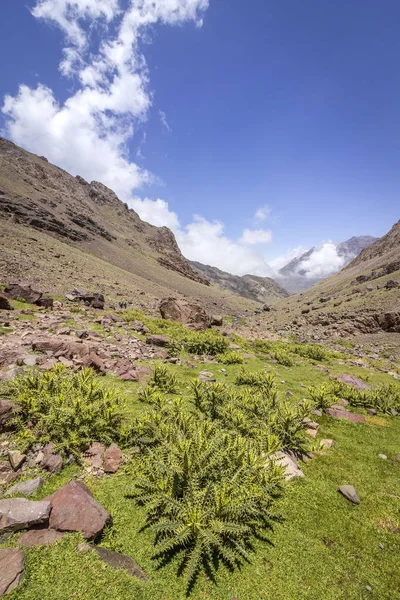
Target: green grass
324, 549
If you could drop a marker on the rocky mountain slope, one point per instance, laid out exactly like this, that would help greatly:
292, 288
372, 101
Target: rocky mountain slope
60, 232
364, 297
294, 274
260, 289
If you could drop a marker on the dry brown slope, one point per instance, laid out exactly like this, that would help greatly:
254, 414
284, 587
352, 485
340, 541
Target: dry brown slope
60, 231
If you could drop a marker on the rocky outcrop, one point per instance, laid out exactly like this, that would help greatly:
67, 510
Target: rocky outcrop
5, 303
18, 291
187, 312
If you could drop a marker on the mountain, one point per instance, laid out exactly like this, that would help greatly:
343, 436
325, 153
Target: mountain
59, 232
362, 298
295, 275
260, 289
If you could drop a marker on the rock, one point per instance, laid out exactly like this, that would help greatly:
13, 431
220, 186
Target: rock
316, 412
30, 360
391, 284
312, 432
184, 311
51, 462
354, 382
338, 413
98, 301
25, 488
6, 412
19, 513
11, 570
158, 340
382, 456
217, 321
326, 299
82, 334
349, 492
24, 292
16, 459
5, 303
45, 302
40, 537
305, 311
121, 561
266, 308
112, 459
75, 509
372, 411
289, 465
94, 454
327, 443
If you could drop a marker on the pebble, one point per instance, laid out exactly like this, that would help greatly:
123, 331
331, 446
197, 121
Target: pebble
382, 456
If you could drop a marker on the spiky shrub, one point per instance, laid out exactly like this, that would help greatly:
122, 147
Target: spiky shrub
283, 358
162, 379
262, 346
257, 379
385, 398
321, 396
288, 424
311, 351
209, 398
69, 409
207, 494
205, 342
231, 358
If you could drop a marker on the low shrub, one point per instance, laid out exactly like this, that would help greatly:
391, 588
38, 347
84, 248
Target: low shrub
231, 358
162, 379
321, 396
283, 358
69, 409
208, 342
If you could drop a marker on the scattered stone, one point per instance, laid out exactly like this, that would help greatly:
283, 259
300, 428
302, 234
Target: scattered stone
51, 462
112, 459
121, 561
217, 320
82, 334
372, 411
16, 459
382, 456
337, 413
30, 360
349, 492
326, 299
94, 454
313, 425
19, 513
391, 284
11, 570
289, 394
316, 412
158, 340
40, 537
289, 465
312, 432
25, 488
6, 412
327, 444
75, 509
354, 382
45, 302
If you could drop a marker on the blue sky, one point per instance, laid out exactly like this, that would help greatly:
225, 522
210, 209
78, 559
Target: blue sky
217, 109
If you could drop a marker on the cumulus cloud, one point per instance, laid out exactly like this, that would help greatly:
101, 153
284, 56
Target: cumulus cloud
283, 259
254, 237
323, 262
262, 213
156, 212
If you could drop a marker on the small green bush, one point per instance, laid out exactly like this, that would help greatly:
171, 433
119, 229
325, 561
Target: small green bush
311, 351
163, 380
70, 409
231, 358
321, 396
208, 342
283, 358
257, 379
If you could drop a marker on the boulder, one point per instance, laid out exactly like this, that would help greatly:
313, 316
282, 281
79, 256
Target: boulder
391, 284
5, 303
353, 381
45, 302
94, 454
11, 570
19, 513
289, 465
25, 488
184, 311
40, 537
349, 492
338, 413
217, 321
98, 301
23, 292
75, 509
112, 459
158, 340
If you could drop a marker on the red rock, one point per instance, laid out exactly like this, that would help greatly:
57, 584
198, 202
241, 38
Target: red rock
6, 412
157, 340
51, 462
112, 459
129, 376
40, 537
75, 509
94, 454
11, 569
354, 382
186, 312
16, 291
345, 414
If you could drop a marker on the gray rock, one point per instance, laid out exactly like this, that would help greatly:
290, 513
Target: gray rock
289, 465
327, 443
19, 513
11, 570
121, 561
382, 456
16, 459
349, 492
25, 488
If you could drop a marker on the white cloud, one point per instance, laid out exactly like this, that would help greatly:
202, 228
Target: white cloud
323, 262
283, 259
164, 122
156, 212
262, 213
253, 237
